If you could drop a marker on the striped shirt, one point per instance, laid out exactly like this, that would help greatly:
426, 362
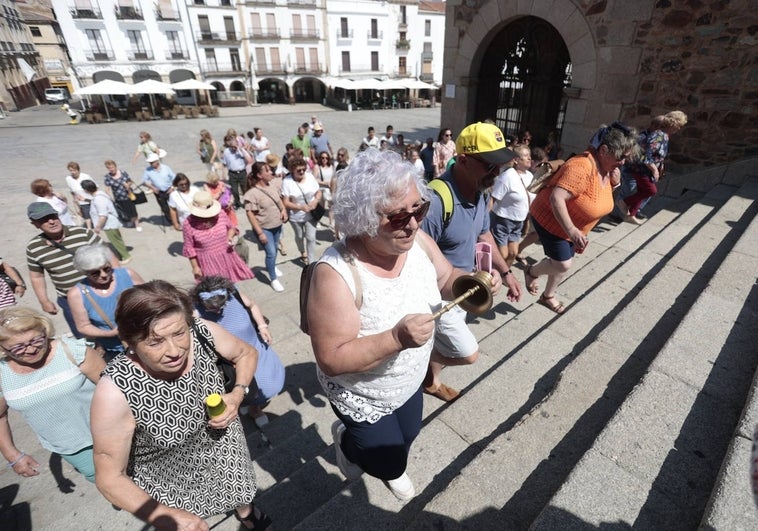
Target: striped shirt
42, 256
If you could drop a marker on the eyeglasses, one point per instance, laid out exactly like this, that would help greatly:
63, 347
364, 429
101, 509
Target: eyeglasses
340, 154
37, 342
399, 220
107, 270
299, 170
324, 158
448, 134
491, 168
272, 168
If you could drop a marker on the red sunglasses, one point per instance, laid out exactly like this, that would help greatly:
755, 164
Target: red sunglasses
399, 220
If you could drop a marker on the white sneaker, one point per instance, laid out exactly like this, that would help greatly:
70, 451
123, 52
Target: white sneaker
402, 487
349, 469
278, 272
138, 229
277, 286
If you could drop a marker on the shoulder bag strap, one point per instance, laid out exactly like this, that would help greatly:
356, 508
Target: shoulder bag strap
96, 306
350, 261
59, 246
67, 351
270, 197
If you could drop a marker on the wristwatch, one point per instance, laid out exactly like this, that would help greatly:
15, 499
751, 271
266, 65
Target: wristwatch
245, 388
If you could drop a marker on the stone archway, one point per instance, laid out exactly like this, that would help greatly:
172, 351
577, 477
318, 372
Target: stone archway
180, 74
522, 77
107, 74
476, 23
142, 75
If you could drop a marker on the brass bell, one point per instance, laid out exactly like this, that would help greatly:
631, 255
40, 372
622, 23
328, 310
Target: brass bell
472, 292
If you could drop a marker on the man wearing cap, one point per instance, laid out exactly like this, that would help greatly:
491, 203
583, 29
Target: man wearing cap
481, 154
319, 143
236, 159
159, 178
52, 251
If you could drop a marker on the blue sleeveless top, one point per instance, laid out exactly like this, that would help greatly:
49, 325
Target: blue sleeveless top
108, 304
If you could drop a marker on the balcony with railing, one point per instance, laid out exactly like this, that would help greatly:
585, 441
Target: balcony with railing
429, 78
128, 12
300, 68
362, 69
211, 3
260, 2
140, 55
102, 54
85, 9
301, 3
222, 69
403, 44
304, 34
427, 56
261, 34
374, 36
167, 14
402, 72
174, 55
344, 35
269, 70
215, 37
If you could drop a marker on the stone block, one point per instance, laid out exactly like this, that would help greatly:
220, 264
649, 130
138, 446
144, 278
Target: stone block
582, 50
732, 505
584, 75
629, 12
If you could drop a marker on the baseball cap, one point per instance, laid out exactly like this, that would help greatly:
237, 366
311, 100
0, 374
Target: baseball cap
485, 141
40, 210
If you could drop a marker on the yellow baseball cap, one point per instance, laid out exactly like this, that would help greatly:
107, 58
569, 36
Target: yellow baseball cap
485, 141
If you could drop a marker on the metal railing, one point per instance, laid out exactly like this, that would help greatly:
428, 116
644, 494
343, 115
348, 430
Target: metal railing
307, 33
128, 13
140, 55
260, 33
362, 69
377, 36
85, 11
211, 3
180, 54
216, 36
403, 44
301, 3
166, 14
99, 55
344, 35
308, 69
221, 68
265, 70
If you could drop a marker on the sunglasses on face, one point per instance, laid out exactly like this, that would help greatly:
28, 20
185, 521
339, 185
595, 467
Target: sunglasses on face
36, 342
399, 220
96, 272
299, 170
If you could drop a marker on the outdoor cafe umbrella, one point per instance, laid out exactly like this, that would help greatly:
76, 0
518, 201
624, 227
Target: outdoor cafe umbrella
150, 87
106, 87
193, 84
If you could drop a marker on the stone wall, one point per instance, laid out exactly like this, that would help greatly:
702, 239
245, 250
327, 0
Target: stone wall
632, 59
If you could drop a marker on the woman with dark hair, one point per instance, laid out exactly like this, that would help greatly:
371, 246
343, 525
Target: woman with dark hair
219, 301
301, 194
121, 186
180, 199
324, 174
158, 455
444, 150
266, 214
571, 204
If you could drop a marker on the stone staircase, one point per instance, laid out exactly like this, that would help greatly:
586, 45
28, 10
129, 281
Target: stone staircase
626, 411
550, 393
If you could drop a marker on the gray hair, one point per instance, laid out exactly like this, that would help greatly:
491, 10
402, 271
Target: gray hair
620, 139
90, 257
373, 181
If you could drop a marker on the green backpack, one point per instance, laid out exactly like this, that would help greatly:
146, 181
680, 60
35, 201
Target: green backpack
443, 190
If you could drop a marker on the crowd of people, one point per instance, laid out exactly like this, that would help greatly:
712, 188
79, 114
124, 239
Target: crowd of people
399, 244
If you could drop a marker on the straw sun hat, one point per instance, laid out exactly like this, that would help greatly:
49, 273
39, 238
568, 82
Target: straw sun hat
204, 206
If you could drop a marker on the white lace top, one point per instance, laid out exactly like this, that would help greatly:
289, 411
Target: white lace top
370, 395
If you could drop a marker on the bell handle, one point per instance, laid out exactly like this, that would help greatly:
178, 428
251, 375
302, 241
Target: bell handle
449, 306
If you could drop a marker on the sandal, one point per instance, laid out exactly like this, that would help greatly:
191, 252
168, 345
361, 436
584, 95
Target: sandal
530, 281
556, 306
261, 522
443, 392
521, 260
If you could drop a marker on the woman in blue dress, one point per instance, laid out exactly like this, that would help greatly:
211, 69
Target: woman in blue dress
216, 299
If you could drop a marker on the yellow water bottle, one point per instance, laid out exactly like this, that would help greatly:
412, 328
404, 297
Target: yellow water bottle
215, 405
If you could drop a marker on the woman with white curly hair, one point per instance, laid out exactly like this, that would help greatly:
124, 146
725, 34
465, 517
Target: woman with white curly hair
372, 360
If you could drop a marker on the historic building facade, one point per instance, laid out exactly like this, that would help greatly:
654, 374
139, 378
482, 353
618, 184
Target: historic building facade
574, 64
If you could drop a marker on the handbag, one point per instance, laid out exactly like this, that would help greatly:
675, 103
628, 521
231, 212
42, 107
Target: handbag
318, 211
138, 197
5, 277
225, 367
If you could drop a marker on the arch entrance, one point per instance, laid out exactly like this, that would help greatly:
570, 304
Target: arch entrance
522, 76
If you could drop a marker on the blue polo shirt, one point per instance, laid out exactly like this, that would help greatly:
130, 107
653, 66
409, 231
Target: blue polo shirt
234, 160
319, 143
162, 178
458, 240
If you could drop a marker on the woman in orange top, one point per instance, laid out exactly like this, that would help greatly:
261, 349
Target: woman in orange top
565, 210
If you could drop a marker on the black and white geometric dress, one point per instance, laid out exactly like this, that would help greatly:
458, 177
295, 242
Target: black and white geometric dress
175, 456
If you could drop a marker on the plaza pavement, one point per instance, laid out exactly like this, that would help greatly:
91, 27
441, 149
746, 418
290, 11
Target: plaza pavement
38, 143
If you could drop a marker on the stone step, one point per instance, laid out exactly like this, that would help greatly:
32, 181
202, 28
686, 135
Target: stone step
656, 461
521, 369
